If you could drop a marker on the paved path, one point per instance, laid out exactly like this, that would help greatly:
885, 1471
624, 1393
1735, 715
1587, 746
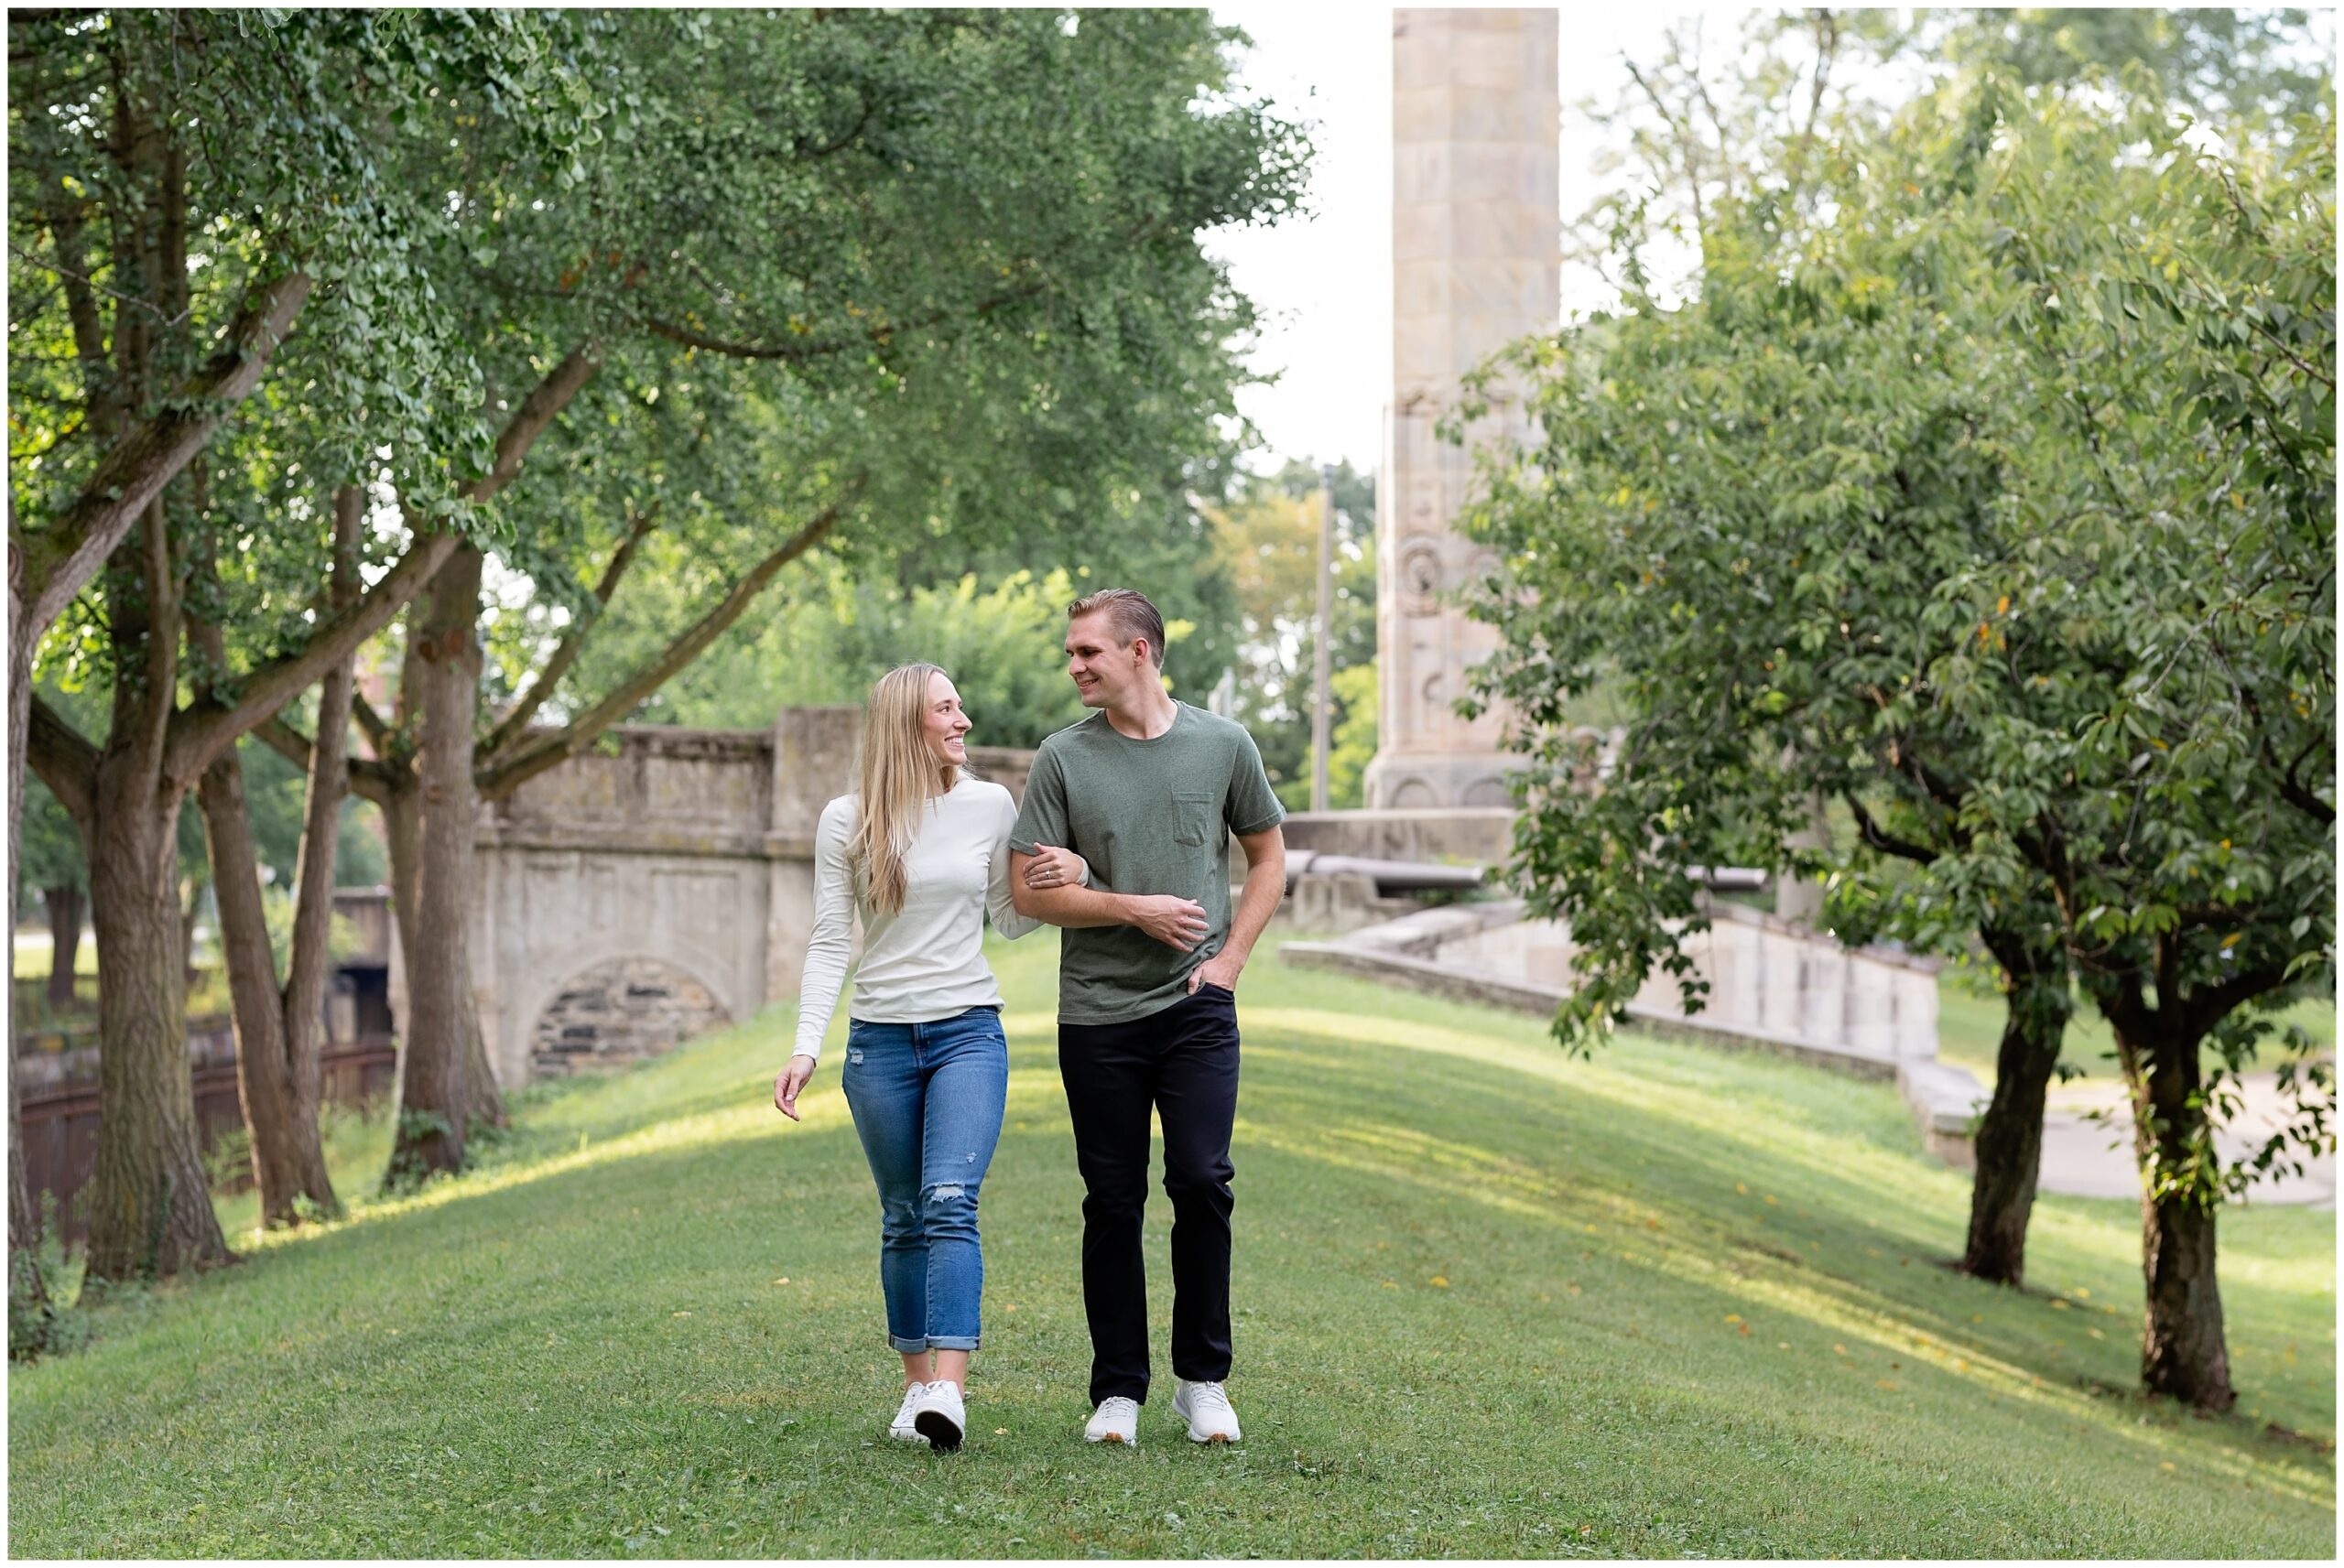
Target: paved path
2077, 1159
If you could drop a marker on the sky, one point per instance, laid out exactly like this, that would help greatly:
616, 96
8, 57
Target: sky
1323, 282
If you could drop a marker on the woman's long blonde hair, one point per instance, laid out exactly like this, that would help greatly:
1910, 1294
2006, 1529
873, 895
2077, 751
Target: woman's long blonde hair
899, 774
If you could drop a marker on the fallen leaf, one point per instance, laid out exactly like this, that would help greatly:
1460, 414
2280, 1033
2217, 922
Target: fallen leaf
1442, 1280
782, 1281
1734, 1317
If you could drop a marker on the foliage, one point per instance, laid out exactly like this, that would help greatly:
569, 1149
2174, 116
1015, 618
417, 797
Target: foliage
1265, 540
948, 288
639, 1226
48, 852
1996, 510
1705, 126
291, 137
1001, 647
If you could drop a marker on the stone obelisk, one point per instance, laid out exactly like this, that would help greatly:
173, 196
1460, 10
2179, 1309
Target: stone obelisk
1476, 259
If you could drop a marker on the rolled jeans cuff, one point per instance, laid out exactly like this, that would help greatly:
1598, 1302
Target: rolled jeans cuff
952, 1342
908, 1346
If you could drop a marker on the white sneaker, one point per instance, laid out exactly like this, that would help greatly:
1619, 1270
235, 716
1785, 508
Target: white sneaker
940, 1416
1206, 1408
901, 1428
1115, 1421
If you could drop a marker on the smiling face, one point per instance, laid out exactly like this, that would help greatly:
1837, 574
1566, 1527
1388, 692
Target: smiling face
1106, 668
943, 724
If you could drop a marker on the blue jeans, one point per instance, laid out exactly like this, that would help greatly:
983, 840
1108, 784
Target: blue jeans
928, 1101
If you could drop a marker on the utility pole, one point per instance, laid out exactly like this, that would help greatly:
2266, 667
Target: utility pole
1323, 682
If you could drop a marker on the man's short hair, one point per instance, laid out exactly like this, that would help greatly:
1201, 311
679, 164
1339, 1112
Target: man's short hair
1131, 614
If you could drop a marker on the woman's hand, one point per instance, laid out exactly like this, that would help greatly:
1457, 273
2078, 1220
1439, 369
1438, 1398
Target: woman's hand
1053, 866
787, 1084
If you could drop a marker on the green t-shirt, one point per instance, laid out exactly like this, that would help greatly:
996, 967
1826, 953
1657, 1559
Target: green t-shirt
1151, 817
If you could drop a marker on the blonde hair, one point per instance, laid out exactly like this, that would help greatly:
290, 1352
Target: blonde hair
899, 774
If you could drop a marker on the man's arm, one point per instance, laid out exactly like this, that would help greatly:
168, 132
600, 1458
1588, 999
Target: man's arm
1176, 921
1076, 908
1264, 885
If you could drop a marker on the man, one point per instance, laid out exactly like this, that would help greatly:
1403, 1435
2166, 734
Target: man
1148, 790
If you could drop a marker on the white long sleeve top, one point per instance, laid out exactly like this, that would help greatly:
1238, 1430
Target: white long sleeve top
926, 962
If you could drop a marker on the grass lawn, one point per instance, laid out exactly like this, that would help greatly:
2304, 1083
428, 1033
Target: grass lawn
1490, 1302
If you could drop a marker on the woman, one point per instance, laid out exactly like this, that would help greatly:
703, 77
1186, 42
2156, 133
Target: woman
922, 854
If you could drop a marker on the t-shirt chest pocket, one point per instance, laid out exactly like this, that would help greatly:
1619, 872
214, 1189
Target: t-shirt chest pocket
1193, 816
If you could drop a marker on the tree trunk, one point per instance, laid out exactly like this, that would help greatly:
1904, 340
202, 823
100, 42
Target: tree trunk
27, 1292
434, 1101
150, 1208
402, 808
480, 1074
2183, 1351
2010, 1137
310, 957
64, 941
288, 1159
29, 1313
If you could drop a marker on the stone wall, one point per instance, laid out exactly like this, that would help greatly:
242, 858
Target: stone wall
658, 886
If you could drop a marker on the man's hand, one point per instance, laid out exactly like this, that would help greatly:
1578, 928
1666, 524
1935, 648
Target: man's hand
1178, 923
1054, 867
1221, 970
788, 1083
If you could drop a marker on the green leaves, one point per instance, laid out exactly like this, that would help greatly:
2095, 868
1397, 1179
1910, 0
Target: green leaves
1978, 523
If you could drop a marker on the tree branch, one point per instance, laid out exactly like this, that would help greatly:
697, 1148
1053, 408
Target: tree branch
65, 760
202, 731
59, 560
543, 684
2210, 1004
368, 778
533, 754
1880, 839
793, 353
378, 730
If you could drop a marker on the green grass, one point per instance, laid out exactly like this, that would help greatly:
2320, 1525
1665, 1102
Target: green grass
1969, 1028
32, 948
1490, 1302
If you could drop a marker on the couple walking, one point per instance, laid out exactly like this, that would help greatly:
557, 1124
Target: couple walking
1122, 840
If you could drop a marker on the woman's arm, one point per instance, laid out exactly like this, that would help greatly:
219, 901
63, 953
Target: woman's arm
833, 942
1000, 899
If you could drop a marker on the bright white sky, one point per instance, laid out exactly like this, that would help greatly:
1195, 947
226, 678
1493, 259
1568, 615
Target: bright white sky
1324, 282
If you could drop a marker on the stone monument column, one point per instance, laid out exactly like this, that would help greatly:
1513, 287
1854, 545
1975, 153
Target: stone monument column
1476, 263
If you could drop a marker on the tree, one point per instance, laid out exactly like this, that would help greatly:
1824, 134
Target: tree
908, 277
1832, 527
200, 168
2181, 472
1737, 149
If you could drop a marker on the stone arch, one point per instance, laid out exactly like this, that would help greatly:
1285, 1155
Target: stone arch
617, 1011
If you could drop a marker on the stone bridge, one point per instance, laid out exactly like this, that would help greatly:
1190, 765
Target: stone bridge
658, 886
